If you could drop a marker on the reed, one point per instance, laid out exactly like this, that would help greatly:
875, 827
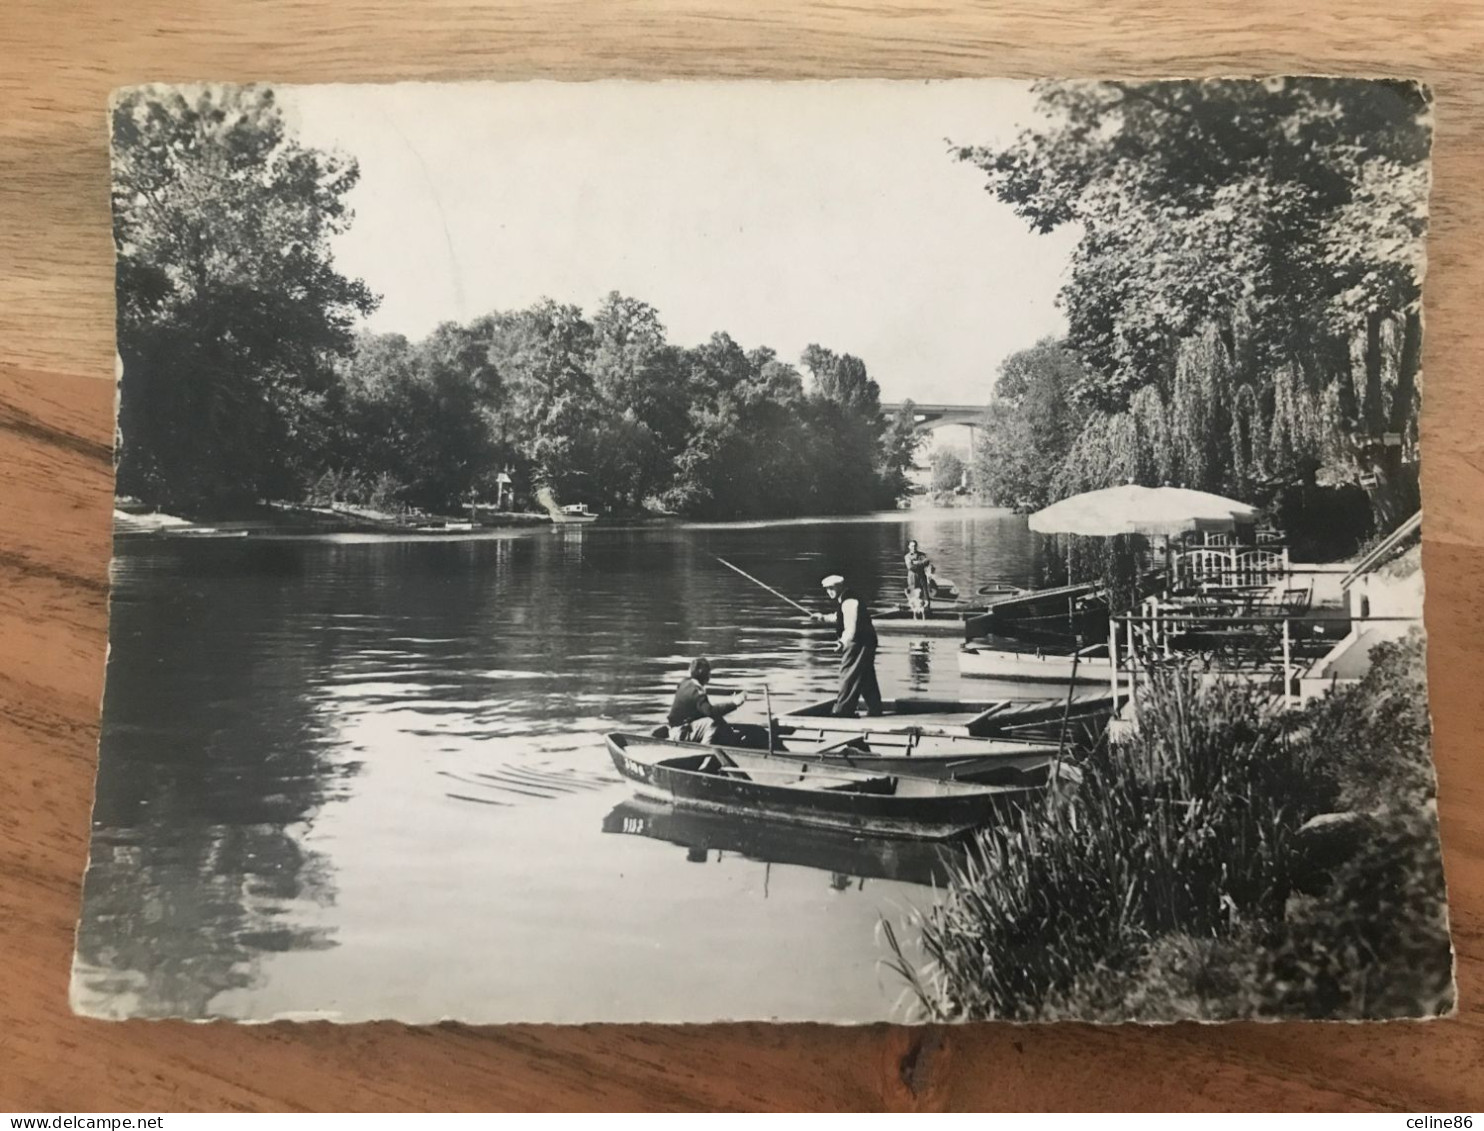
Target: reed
1165, 887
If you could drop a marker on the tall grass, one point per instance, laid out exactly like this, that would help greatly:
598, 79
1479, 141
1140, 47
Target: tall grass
1164, 888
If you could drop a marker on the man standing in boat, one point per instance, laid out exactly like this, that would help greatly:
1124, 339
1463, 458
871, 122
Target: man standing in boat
856, 643
919, 576
696, 716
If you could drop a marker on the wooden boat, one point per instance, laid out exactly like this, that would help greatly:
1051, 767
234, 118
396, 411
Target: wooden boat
1032, 664
1015, 759
445, 527
941, 757
984, 718
1046, 616
202, 532
899, 620
576, 512
999, 591
790, 790
827, 850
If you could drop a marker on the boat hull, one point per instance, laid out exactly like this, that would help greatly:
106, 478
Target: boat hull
1032, 666
899, 621
982, 719
789, 790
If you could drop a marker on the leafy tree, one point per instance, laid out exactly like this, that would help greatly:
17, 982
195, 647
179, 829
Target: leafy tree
948, 471
845, 418
245, 378
899, 446
1252, 251
231, 314
1031, 425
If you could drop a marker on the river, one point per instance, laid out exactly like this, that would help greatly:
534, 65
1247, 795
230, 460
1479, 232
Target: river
357, 777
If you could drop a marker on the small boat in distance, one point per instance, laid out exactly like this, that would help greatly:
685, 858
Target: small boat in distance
999, 590
900, 620
575, 512
445, 527
789, 790
561, 515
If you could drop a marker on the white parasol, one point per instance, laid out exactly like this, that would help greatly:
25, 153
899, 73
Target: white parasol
1130, 509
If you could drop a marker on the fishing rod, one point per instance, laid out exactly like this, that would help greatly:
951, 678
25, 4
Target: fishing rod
764, 584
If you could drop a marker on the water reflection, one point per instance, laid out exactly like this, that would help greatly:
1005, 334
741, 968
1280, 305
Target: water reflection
370, 772
844, 859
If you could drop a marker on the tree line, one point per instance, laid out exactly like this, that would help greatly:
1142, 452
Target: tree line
1244, 300
246, 378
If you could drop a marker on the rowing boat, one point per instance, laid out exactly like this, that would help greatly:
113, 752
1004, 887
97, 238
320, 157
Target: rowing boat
985, 718
791, 790
903, 750
1032, 664
901, 621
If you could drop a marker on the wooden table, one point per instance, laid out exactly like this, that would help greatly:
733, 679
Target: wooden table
56, 423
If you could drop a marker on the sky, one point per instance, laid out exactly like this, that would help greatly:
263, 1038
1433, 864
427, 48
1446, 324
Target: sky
782, 213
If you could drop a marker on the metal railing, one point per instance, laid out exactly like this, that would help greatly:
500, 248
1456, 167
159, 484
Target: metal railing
1260, 644
1383, 549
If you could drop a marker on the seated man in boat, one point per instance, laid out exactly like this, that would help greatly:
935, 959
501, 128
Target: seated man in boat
856, 643
696, 716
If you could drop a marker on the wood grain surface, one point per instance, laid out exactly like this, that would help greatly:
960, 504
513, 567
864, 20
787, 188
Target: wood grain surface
61, 58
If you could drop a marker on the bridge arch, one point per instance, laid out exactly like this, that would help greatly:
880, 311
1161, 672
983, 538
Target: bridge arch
931, 416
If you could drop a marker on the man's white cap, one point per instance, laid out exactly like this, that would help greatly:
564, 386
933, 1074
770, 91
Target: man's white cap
833, 581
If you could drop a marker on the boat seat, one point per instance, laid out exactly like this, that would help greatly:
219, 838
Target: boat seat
870, 785
851, 743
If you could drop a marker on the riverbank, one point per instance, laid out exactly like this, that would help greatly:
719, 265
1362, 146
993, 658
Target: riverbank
286, 518
1225, 862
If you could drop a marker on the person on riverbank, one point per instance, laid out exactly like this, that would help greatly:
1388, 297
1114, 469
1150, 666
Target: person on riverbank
696, 716
919, 578
856, 643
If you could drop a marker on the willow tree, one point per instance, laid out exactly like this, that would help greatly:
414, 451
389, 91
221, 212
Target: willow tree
1252, 250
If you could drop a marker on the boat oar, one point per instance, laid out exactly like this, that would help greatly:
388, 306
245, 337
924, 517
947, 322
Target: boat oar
764, 584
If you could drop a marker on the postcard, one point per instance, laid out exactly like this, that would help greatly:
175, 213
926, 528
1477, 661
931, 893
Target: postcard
808, 551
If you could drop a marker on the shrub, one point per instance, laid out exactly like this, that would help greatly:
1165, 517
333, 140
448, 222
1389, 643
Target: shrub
1166, 887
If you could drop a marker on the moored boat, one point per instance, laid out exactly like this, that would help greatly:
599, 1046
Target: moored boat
903, 751
1032, 664
983, 718
577, 512
900, 620
1044, 616
791, 790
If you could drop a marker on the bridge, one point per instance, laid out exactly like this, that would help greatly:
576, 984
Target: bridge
930, 416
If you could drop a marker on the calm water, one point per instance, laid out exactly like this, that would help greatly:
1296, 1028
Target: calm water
358, 777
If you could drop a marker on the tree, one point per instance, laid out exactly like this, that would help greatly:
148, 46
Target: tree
899, 445
948, 471
1031, 425
845, 418
543, 357
231, 314
1252, 251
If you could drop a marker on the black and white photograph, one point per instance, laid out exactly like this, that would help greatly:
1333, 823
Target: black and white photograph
849, 552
